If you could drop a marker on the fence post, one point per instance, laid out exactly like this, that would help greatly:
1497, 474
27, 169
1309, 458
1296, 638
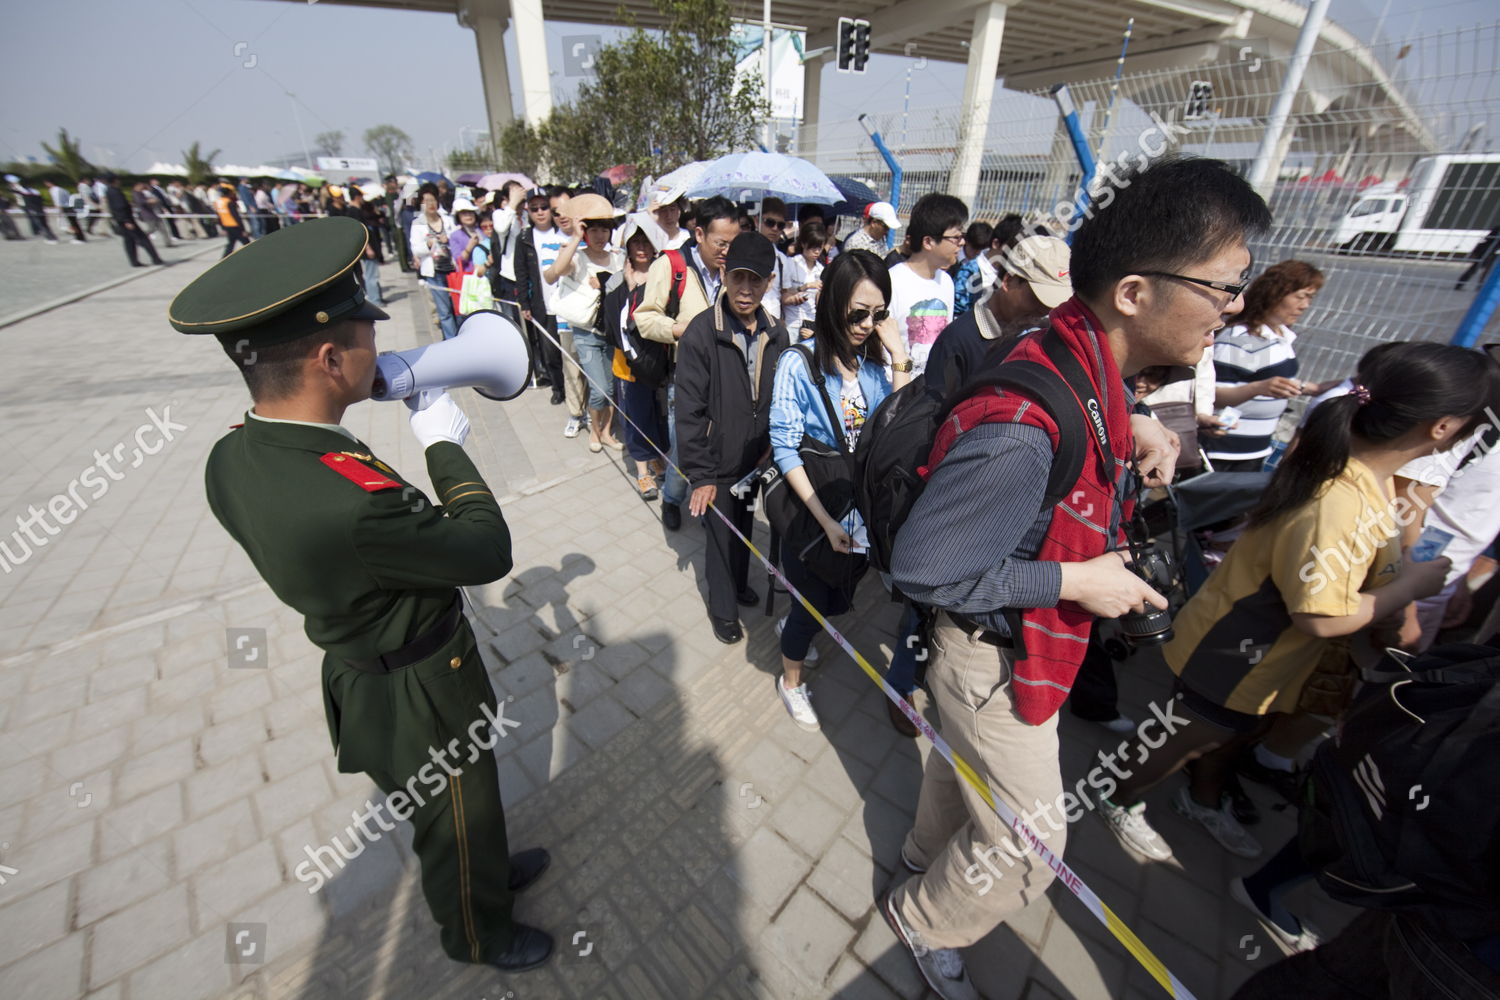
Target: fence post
1080, 147
1480, 310
890, 161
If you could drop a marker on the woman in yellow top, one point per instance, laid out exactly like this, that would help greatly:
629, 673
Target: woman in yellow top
1320, 561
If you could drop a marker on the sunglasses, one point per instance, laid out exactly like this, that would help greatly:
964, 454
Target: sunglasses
858, 316
774, 223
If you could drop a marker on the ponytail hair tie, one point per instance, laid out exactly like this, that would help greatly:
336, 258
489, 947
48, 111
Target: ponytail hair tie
1360, 393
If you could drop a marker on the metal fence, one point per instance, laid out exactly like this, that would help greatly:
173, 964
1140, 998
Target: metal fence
1398, 134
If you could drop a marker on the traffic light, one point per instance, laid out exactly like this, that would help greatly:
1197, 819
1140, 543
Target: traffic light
1200, 93
854, 44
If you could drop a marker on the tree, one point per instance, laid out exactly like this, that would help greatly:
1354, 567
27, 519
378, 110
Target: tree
330, 143
69, 156
658, 100
390, 146
200, 167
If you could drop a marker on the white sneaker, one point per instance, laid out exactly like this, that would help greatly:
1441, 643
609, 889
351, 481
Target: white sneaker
1219, 822
798, 702
943, 968
812, 651
1305, 940
575, 424
1130, 826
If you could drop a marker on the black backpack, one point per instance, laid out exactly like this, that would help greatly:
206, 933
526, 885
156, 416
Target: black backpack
897, 440
1401, 810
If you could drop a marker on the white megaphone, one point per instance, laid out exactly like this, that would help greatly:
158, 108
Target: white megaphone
489, 353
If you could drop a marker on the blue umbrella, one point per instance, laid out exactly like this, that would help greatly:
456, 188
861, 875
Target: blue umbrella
432, 177
753, 176
856, 195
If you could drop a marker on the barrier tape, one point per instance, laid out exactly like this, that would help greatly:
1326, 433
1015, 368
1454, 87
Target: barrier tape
1029, 837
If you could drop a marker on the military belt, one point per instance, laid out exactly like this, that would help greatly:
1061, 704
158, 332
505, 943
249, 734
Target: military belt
418, 649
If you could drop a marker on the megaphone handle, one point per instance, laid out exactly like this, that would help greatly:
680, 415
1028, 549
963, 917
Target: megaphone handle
424, 399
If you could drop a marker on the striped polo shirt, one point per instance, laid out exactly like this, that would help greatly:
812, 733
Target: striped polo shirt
1239, 357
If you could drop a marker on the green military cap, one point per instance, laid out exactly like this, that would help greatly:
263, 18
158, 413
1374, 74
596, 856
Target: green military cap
294, 282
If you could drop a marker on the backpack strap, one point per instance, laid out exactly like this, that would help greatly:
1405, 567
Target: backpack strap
679, 282
822, 383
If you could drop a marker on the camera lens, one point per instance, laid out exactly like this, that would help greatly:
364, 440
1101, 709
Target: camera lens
1152, 627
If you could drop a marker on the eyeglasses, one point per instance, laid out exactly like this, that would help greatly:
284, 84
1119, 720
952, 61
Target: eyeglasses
858, 316
957, 239
1234, 290
774, 223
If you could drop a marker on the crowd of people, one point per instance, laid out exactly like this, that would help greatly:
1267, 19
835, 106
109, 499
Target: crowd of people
720, 346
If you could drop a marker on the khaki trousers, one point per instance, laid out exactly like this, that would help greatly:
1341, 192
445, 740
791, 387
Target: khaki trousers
979, 873
574, 390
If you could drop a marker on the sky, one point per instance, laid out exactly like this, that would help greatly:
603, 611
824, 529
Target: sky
139, 80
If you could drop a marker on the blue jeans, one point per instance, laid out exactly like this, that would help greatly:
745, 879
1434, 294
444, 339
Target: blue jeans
642, 405
902, 673
594, 356
372, 281
443, 299
674, 487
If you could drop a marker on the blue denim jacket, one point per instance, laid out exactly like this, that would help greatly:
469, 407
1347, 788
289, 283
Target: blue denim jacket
796, 407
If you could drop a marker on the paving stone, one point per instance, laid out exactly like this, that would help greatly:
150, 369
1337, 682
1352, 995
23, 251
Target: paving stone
227, 887
768, 868
115, 884
888, 958
806, 820
33, 922
214, 837
195, 971
211, 788
49, 858
809, 935
54, 971
137, 934
139, 820
599, 721
170, 763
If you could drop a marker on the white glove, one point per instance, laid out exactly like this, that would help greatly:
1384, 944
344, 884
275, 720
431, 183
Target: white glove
440, 420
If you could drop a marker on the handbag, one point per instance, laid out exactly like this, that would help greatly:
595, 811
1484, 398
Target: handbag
1182, 419
578, 301
475, 295
831, 471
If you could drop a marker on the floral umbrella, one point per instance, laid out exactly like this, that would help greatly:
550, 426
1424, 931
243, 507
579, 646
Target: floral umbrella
754, 176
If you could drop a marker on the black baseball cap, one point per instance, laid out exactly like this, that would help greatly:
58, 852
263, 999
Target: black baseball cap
537, 192
751, 252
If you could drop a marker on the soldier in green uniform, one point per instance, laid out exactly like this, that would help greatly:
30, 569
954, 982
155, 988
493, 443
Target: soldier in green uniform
372, 564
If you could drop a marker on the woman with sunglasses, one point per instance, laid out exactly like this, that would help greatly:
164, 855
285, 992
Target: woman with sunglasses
854, 339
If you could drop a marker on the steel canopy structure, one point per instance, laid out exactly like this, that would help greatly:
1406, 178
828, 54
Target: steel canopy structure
1029, 44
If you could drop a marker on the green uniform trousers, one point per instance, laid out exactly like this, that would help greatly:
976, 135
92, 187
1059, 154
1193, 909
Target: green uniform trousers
421, 735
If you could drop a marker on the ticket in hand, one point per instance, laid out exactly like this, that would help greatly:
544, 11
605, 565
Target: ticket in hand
1430, 544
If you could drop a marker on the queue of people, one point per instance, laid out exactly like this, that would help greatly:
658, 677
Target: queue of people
717, 353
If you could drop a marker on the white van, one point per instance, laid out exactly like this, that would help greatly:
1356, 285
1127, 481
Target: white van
1449, 206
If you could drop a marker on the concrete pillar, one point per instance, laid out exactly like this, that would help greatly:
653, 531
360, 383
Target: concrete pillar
486, 18
531, 54
979, 91
812, 89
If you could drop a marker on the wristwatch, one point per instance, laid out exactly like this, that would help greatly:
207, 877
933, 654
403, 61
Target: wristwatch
903, 366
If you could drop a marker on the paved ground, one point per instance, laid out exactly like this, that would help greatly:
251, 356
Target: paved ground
154, 793
38, 273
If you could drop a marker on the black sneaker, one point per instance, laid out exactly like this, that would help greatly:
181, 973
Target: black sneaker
671, 516
1287, 784
528, 949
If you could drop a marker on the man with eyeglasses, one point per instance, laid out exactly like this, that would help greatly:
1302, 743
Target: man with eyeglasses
679, 285
773, 227
1016, 586
921, 288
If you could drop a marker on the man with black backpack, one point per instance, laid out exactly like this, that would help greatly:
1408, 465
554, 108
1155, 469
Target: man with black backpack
1017, 577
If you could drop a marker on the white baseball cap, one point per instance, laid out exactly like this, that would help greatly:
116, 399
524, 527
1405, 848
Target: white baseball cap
463, 205
881, 211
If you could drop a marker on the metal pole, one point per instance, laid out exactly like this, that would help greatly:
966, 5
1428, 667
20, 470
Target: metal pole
890, 161
300, 134
1480, 310
906, 106
1114, 89
1259, 177
765, 69
1080, 147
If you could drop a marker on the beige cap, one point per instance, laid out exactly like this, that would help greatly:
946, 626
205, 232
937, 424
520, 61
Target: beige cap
589, 206
1042, 262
